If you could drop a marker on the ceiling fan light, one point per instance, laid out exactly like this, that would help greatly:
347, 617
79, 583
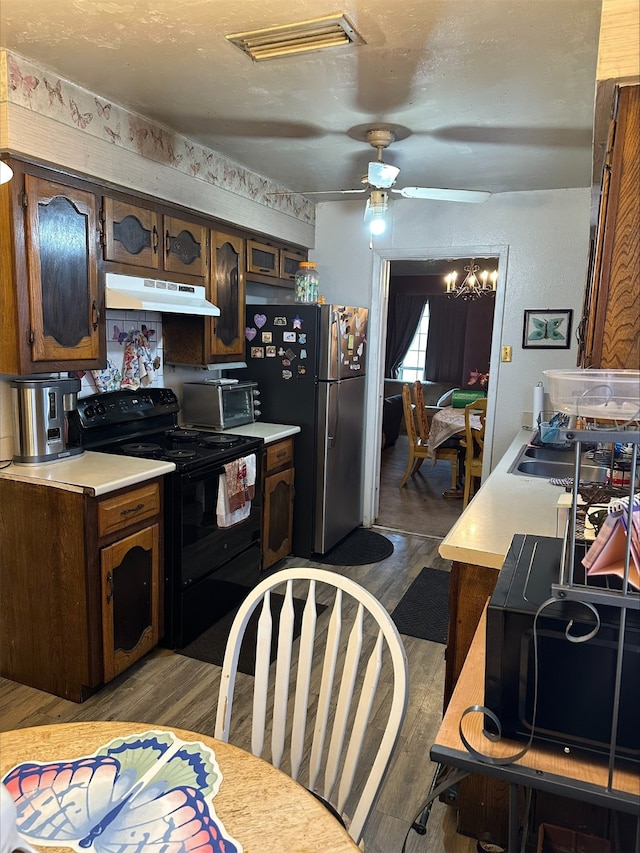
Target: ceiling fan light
382, 175
6, 172
378, 225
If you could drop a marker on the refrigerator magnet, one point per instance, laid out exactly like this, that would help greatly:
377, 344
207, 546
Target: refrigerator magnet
281, 352
279, 321
290, 354
257, 352
250, 333
270, 352
301, 370
289, 337
267, 337
302, 338
287, 374
259, 320
286, 362
303, 353
297, 322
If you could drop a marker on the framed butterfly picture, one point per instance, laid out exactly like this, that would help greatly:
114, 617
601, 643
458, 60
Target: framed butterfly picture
547, 329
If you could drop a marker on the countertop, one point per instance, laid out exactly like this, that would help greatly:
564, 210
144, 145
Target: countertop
91, 472
269, 432
504, 505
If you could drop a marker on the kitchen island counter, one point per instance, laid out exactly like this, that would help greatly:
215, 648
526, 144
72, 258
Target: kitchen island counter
505, 504
92, 473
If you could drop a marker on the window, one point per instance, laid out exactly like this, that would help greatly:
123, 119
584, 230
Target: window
413, 363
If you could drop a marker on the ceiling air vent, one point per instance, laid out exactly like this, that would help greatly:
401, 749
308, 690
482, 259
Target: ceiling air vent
290, 39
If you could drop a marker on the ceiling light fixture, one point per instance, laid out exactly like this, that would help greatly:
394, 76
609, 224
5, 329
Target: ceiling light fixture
376, 210
6, 172
473, 285
291, 39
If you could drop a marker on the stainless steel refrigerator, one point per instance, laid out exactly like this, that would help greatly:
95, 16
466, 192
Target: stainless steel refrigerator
309, 362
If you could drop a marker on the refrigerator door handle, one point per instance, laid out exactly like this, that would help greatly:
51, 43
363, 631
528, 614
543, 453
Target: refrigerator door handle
334, 413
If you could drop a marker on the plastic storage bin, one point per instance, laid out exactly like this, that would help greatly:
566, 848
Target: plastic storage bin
600, 394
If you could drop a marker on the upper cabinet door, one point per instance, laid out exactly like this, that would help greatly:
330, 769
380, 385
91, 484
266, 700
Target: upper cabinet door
184, 247
130, 234
263, 259
227, 291
61, 241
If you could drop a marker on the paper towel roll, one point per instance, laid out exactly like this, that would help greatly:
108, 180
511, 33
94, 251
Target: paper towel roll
538, 402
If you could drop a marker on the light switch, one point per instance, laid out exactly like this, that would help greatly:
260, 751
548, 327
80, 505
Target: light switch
506, 354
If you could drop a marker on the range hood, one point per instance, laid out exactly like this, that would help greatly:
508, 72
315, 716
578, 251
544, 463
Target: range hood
132, 293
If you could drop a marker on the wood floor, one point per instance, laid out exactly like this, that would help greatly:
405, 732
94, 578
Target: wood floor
169, 689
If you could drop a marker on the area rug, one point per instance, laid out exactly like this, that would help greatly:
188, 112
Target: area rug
357, 549
423, 610
211, 644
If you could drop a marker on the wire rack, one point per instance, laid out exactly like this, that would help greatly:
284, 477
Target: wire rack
597, 591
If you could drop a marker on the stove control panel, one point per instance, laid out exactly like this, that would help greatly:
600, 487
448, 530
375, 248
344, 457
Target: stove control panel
114, 407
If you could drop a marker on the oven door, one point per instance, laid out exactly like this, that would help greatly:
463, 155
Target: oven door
208, 569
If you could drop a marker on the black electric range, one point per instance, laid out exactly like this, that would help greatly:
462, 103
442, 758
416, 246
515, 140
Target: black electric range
209, 563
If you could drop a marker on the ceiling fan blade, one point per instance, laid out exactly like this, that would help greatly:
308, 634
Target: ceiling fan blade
473, 196
318, 192
382, 175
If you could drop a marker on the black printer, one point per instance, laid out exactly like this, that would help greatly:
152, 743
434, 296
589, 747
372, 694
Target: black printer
575, 680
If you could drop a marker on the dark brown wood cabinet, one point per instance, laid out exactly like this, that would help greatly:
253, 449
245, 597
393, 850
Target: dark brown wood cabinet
206, 340
184, 247
81, 591
130, 234
263, 259
289, 263
611, 316
227, 291
50, 299
278, 502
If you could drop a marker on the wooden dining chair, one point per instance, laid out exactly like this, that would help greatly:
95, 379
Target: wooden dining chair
312, 709
449, 451
474, 447
418, 450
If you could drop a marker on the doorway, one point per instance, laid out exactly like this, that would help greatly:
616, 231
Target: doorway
378, 318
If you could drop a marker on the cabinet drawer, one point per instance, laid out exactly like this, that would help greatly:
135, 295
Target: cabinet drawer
129, 508
279, 455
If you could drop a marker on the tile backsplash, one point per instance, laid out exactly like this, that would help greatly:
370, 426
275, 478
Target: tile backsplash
123, 328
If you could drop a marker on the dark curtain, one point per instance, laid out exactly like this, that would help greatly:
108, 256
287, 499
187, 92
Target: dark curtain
446, 340
404, 315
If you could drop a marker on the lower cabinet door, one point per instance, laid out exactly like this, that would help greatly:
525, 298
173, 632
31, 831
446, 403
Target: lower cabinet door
278, 517
130, 599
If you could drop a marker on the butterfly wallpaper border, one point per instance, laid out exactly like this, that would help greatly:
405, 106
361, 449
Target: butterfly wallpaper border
547, 329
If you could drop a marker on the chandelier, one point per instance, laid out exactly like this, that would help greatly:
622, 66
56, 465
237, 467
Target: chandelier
473, 286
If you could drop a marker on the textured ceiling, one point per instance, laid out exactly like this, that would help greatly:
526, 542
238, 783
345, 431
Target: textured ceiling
484, 94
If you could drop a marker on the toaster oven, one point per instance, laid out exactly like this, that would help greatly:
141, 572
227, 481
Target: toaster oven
220, 404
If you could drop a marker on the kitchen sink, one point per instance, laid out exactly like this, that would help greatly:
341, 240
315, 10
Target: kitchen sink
549, 454
533, 461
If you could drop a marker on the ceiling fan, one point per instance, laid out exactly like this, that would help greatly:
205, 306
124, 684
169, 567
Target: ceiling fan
382, 176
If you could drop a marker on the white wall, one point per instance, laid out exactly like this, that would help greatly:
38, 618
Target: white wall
546, 237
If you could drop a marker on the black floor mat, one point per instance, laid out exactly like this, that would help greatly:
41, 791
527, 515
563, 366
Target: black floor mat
357, 549
211, 644
423, 610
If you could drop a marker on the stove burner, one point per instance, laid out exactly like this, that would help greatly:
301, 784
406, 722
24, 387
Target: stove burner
141, 449
180, 454
219, 440
182, 434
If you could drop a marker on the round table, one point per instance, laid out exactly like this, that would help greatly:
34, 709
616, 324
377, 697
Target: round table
259, 805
